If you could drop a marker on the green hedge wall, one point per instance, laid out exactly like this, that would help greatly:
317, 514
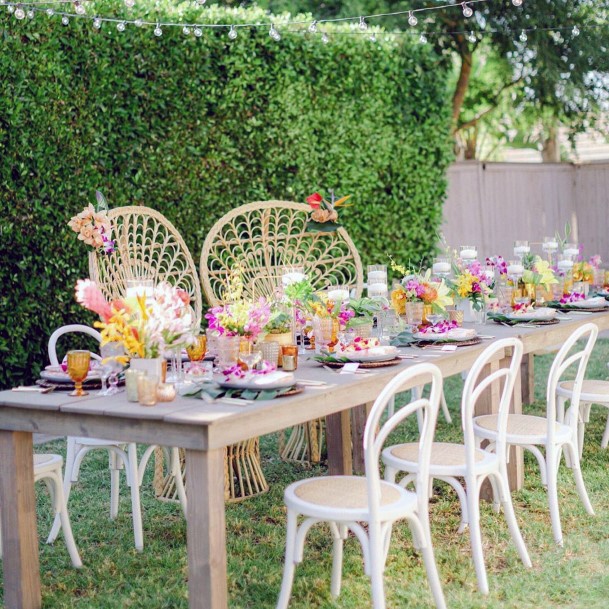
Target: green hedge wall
194, 127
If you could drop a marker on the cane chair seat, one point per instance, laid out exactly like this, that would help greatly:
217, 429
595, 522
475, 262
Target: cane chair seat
526, 426
592, 390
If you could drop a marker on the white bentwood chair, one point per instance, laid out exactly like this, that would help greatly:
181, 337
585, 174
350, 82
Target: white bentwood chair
47, 468
531, 432
452, 462
121, 454
347, 501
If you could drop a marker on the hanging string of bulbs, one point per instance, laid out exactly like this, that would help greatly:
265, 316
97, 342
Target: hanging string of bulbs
29, 9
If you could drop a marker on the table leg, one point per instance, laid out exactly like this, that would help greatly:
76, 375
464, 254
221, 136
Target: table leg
338, 441
206, 530
19, 530
359, 415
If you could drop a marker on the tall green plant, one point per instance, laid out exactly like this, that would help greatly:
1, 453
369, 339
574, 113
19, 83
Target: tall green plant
194, 127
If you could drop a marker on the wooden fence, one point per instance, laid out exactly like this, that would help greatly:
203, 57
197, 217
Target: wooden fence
489, 205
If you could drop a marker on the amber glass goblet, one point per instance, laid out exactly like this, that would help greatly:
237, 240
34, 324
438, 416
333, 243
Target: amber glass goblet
78, 368
196, 352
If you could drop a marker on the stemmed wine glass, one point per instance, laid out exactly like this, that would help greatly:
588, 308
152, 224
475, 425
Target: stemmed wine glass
78, 368
196, 352
249, 354
521, 249
111, 366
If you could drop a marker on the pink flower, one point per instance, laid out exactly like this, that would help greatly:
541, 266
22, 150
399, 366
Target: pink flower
596, 261
314, 200
90, 296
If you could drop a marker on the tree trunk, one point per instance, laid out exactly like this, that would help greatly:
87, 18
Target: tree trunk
550, 153
462, 82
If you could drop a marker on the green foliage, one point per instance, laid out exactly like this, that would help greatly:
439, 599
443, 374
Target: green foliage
194, 127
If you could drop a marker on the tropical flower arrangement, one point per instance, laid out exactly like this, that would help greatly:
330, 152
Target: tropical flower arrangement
538, 272
236, 371
473, 284
324, 217
364, 309
93, 226
582, 271
441, 327
572, 297
499, 264
240, 318
419, 288
360, 344
522, 308
146, 327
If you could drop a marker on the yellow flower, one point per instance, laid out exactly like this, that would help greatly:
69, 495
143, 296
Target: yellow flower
398, 300
542, 268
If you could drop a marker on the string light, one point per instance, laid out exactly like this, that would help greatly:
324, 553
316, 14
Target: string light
324, 38
232, 33
313, 27
158, 32
523, 36
373, 37
575, 31
30, 14
19, 13
472, 37
50, 12
363, 26
467, 10
198, 32
186, 30
412, 20
65, 20
97, 23
517, 2
10, 8
274, 34
423, 39
120, 26
79, 8
129, 3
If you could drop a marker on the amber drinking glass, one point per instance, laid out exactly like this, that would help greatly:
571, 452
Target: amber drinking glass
78, 368
196, 351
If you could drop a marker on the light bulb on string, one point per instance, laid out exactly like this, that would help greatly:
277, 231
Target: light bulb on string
186, 30
517, 2
79, 8
201, 2
575, 31
423, 39
198, 32
523, 36
158, 32
467, 10
373, 37
120, 26
65, 20
10, 8
30, 14
412, 20
129, 3
363, 26
19, 13
472, 37
324, 38
274, 34
232, 33
313, 27
97, 23
138, 23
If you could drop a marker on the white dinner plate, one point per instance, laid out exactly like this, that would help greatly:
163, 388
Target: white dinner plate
374, 354
57, 375
258, 382
590, 303
541, 314
454, 335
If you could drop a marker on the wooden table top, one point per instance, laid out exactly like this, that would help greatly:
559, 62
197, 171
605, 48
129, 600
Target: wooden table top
193, 423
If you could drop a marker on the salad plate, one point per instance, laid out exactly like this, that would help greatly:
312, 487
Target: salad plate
373, 354
590, 303
451, 335
259, 382
541, 314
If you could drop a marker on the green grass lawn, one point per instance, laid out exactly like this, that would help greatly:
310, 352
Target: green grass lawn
115, 575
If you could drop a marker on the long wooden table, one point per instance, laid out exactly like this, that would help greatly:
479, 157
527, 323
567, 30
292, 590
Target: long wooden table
204, 430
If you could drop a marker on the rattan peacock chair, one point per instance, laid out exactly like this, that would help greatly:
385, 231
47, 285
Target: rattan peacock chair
263, 238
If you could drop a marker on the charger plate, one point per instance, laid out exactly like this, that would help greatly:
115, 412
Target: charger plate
391, 362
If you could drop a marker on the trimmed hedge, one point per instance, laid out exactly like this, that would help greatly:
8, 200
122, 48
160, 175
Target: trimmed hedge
194, 127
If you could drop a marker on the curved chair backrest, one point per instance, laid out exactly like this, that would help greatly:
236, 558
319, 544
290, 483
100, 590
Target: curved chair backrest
373, 441
147, 246
265, 237
52, 348
474, 387
561, 363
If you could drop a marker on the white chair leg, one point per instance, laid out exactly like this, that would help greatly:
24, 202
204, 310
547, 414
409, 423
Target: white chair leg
579, 481
136, 509
114, 484
177, 474
61, 510
376, 565
560, 408
552, 479
289, 565
473, 508
605, 440
445, 411
339, 534
584, 418
67, 486
508, 509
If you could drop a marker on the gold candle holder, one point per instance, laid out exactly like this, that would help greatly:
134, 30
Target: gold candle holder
146, 390
289, 363
457, 316
290, 351
165, 392
78, 368
196, 352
